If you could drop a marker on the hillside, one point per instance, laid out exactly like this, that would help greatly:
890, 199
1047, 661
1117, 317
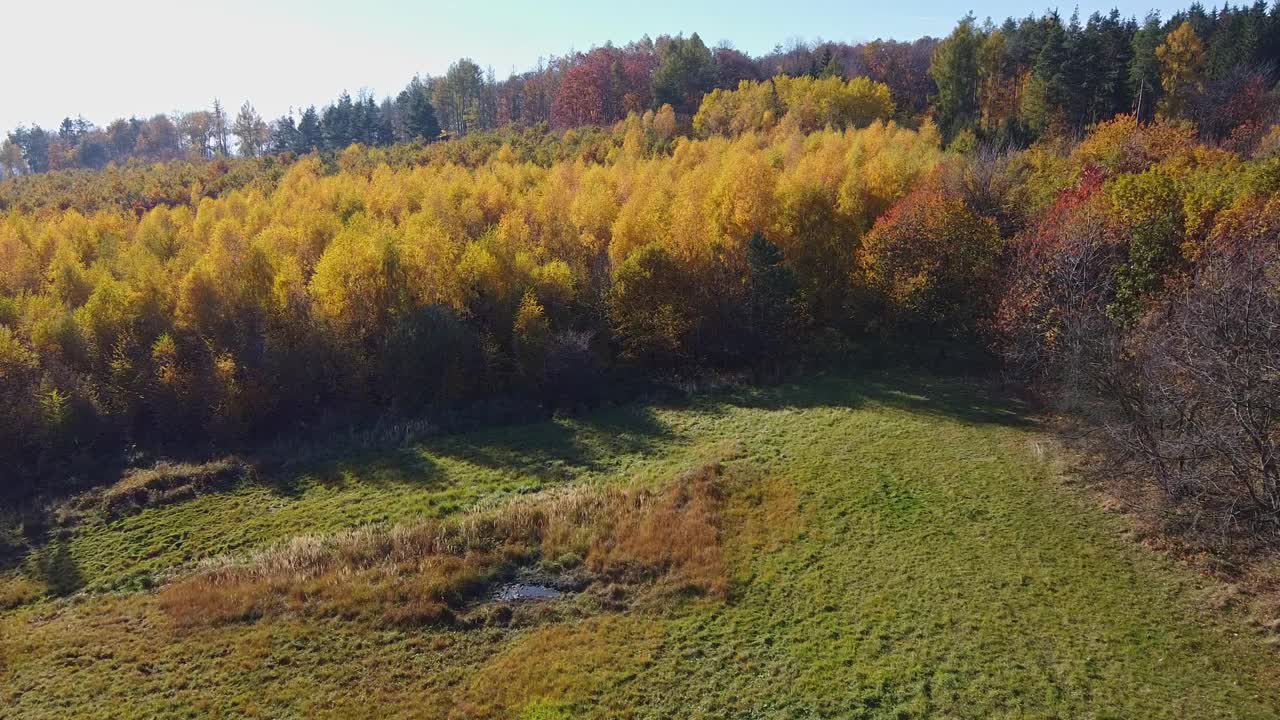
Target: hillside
881, 547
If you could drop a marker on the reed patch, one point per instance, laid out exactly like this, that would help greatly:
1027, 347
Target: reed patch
623, 544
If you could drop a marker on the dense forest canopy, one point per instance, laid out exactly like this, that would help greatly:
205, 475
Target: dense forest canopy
1010, 83
1091, 204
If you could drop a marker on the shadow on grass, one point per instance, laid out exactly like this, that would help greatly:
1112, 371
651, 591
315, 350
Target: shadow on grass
383, 467
555, 450
59, 570
970, 401
546, 450
551, 449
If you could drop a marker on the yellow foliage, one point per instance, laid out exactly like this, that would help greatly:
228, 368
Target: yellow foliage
804, 103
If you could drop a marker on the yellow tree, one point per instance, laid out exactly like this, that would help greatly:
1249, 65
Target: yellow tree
1181, 58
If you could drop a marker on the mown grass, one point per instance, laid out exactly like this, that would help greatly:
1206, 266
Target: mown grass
904, 551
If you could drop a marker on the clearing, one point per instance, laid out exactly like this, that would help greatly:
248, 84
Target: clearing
885, 547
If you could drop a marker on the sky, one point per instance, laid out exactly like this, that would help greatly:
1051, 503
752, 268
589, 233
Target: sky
106, 60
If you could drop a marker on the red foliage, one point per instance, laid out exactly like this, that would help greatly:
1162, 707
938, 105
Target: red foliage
904, 67
1058, 268
932, 259
602, 86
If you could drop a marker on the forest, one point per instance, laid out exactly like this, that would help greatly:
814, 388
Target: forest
1088, 207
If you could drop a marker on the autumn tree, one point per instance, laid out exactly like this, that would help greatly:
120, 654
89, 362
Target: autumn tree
648, 308
1181, 58
932, 261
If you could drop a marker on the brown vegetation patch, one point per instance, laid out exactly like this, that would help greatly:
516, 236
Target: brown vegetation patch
665, 541
168, 483
17, 590
765, 515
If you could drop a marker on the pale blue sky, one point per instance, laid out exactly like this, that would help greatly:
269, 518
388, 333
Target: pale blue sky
110, 59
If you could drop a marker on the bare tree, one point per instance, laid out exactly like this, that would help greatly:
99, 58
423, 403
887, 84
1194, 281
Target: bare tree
1203, 410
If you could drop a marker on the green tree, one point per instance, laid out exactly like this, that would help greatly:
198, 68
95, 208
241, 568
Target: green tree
775, 311
1144, 68
219, 129
955, 71
686, 71
418, 115
250, 131
310, 133
648, 308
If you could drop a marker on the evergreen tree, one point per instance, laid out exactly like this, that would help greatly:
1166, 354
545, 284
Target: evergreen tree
34, 143
955, 71
1144, 68
219, 129
1051, 68
685, 72
310, 133
775, 312
250, 131
284, 135
1115, 56
417, 113
339, 123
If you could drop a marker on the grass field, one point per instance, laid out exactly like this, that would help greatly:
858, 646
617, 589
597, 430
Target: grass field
895, 547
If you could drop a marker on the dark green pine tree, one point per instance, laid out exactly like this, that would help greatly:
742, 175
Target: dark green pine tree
339, 124
1115, 55
1051, 67
284, 135
955, 71
775, 312
417, 113
1144, 68
310, 134
686, 70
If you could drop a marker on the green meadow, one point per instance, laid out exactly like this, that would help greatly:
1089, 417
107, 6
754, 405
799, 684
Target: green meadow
894, 547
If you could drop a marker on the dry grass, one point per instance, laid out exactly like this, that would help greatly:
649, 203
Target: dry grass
556, 668
18, 590
168, 483
667, 539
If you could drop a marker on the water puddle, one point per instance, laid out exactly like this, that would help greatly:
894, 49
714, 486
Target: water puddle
524, 592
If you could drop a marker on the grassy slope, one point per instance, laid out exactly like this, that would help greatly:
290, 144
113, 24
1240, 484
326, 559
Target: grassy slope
906, 554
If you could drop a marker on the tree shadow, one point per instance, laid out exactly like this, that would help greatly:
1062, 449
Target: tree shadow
972, 401
376, 467
553, 449
59, 570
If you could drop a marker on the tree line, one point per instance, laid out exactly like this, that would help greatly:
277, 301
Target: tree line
1009, 83
1024, 79
1126, 267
